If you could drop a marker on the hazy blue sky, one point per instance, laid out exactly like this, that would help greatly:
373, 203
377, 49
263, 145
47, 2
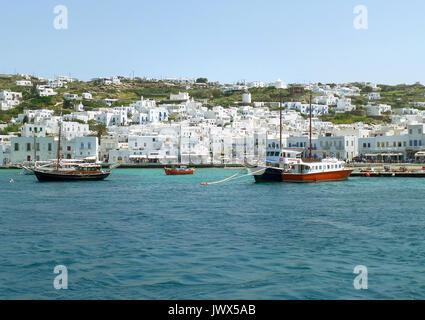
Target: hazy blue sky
224, 40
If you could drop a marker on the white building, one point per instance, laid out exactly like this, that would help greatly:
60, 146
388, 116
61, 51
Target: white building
374, 96
377, 110
344, 105
9, 99
246, 97
45, 148
181, 96
23, 83
87, 96
70, 96
45, 91
278, 84
55, 83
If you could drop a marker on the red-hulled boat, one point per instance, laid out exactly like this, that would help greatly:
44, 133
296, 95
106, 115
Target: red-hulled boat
178, 171
291, 168
301, 170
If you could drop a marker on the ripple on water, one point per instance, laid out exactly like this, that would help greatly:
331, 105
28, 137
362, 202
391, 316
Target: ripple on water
143, 235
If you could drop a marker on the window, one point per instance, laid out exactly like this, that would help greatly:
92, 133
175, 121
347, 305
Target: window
89, 145
28, 146
16, 146
82, 145
49, 147
404, 143
37, 146
68, 148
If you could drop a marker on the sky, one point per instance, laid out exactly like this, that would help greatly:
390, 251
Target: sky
222, 40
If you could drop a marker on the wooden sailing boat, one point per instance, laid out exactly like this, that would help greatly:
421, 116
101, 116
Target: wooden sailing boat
292, 168
70, 171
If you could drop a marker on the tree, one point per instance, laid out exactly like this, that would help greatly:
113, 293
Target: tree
174, 116
202, 80
99, 128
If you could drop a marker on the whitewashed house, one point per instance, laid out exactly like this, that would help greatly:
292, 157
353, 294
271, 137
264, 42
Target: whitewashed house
86, 96
344, 105
23, 83
377, 110
181, 96
45, 91
70, 96
374, 96
9, 99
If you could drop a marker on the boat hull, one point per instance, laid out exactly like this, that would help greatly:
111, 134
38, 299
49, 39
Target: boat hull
173, 172
55, 177
276, 175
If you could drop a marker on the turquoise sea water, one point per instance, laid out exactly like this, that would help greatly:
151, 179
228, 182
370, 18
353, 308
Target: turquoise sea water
143, 235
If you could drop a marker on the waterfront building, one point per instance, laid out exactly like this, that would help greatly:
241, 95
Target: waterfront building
22, 148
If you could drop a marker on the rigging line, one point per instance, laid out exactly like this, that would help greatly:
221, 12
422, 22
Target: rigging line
233, 177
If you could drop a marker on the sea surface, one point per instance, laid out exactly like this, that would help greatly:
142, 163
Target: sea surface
143, 235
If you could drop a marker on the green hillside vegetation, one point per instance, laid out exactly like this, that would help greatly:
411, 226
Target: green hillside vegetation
353, 117
128, 91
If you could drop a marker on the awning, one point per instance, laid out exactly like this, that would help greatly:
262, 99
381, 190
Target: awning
384, 155
154, 156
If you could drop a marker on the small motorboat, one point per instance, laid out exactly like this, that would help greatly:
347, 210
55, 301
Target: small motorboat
177, 171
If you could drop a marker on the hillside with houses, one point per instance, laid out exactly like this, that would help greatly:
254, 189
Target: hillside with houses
174, 120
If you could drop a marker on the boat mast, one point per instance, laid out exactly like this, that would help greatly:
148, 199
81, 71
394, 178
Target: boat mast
59, 145
280, 125
190, 134
180, 146
310, 125
35, 150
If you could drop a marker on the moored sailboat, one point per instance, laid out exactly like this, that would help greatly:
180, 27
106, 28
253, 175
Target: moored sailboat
290, 167
65, 170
